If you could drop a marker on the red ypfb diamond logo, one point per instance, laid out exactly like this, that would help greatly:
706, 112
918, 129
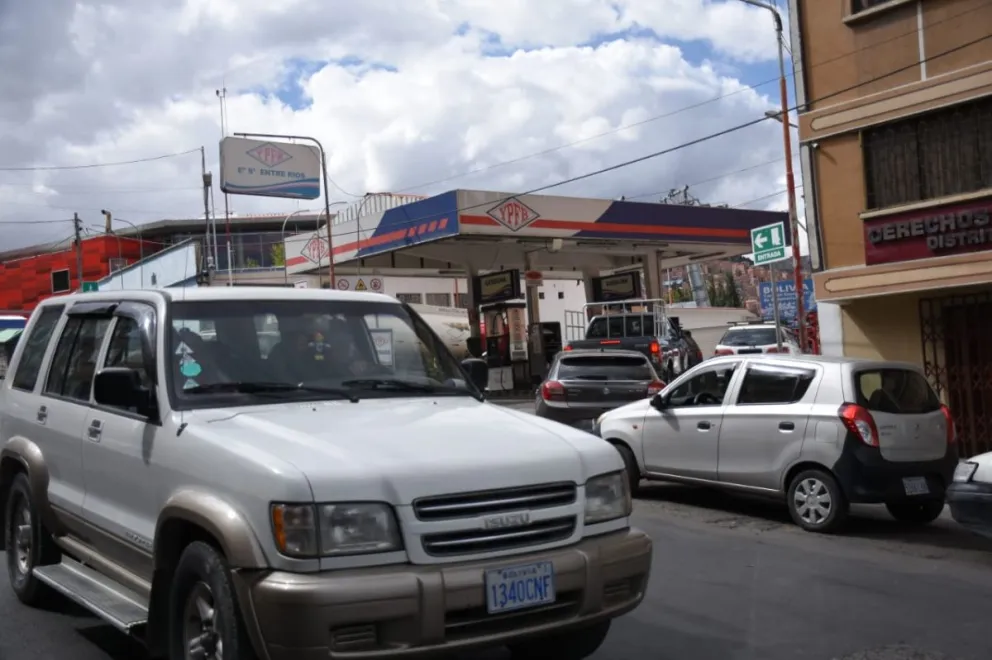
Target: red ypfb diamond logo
513, 214
315, 249
269, 154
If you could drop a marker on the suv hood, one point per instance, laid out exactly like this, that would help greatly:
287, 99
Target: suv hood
399, 449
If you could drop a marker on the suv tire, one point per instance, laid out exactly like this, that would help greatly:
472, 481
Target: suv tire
630, 466
916, 512
27, 544
202, 608
575, 644
816, 502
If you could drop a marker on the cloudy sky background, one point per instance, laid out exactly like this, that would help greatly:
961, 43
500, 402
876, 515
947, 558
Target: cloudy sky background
417, 96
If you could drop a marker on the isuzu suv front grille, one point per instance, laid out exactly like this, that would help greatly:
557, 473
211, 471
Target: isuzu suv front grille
482, 503
473, 541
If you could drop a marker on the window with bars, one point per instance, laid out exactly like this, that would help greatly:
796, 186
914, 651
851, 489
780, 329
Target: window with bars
439, 299
942, 153
410, 298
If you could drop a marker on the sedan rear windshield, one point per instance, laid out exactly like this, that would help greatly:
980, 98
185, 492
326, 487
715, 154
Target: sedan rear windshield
749, 337
605, 367
895, 391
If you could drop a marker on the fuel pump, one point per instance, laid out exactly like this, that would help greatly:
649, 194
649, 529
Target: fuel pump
506, 344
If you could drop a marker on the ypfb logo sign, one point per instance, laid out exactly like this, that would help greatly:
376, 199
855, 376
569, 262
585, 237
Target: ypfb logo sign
513, 214
269, 154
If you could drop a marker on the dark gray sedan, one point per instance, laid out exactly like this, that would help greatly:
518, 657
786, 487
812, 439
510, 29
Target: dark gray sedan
583, 384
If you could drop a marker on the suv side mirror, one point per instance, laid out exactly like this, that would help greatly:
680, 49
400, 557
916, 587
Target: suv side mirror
120, 387
477, 371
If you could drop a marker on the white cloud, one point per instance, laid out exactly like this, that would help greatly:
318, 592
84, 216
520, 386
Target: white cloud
447, 87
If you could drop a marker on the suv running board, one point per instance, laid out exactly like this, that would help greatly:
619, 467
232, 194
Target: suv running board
115, 604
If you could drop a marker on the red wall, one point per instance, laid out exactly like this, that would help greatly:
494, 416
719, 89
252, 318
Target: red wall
26, 282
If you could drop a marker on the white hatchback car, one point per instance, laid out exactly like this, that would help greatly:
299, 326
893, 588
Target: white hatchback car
753, 338
970, 494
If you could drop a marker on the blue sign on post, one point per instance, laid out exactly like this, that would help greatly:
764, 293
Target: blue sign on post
786, 299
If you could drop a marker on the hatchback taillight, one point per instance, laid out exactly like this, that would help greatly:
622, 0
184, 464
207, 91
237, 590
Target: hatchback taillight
568, 348
552, 390
655, 387
654, 348
859, 421
951, 431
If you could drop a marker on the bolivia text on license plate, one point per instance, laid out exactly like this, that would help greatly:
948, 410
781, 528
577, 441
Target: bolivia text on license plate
517, 587
915, 486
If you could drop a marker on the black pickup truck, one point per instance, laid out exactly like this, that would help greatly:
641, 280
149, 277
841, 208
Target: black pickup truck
658, 337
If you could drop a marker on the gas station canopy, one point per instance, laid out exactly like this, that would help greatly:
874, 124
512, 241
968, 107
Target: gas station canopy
487, 231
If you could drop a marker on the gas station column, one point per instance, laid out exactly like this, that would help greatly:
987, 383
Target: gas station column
531, 295
474, 319
652, 275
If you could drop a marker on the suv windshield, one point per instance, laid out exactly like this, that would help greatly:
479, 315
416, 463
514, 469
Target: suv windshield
605, 367
251, 351
749, 337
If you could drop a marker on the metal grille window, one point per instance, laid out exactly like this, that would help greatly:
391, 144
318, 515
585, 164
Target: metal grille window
942, 153
410, 298
439, 299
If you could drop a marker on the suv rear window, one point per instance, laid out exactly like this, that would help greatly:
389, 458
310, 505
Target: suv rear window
605, 367
895, 391
749, 337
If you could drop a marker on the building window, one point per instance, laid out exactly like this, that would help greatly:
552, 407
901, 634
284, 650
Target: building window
948, 152
60, 281
410, 298
461, 300
540, 295
561, 295
439, 299
117, 263
862, 5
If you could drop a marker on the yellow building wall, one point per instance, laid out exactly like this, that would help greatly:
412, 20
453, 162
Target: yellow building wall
886, 328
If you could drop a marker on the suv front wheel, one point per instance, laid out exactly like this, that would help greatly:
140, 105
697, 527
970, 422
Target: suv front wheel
204, 621
26, 543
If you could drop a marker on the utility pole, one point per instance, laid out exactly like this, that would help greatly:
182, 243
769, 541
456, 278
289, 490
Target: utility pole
207, 265
77, 227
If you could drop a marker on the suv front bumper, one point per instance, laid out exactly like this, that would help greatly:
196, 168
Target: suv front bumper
404, 611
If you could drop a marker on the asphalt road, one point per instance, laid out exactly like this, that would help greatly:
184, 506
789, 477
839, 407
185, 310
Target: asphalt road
732, 579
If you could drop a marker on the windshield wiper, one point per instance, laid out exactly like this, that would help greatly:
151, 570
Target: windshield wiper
266, 387
397, 384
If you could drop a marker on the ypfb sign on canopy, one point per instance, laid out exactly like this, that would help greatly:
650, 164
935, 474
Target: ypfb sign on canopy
269, 169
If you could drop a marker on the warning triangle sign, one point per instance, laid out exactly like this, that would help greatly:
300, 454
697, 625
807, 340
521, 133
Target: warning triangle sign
360, 285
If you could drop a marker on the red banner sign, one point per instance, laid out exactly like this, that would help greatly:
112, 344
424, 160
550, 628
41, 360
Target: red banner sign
933, 232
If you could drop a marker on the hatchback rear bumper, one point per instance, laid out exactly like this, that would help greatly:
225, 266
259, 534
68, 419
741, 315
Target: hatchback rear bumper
868, 478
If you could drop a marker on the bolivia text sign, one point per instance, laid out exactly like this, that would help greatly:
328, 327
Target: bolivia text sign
768, 243
786, 298
269, 169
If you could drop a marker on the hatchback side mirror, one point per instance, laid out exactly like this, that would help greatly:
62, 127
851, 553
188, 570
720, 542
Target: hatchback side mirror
477, 371
120, 387
659, 402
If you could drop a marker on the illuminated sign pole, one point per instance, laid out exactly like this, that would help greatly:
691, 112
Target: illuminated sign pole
268, 169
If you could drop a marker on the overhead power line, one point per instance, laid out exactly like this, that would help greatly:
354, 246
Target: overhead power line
53, 168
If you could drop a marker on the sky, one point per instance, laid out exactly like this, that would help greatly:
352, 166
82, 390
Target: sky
419, 96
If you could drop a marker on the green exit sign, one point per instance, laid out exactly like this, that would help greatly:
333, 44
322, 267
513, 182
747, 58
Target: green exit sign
90, 286
768, 243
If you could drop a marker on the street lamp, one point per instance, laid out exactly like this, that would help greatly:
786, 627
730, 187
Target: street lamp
790, 179
777, 116
141, 244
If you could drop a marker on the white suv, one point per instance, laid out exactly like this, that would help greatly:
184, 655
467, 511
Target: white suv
754, 338
344, 491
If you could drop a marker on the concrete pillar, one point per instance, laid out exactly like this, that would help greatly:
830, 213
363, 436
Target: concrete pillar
474, 319
531, 294
652, 275
587, 276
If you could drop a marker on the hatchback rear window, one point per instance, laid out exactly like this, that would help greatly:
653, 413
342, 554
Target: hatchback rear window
749, 337
605, 367
895, 391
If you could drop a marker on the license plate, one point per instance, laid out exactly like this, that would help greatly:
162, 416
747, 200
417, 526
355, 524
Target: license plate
915, 486
517, 587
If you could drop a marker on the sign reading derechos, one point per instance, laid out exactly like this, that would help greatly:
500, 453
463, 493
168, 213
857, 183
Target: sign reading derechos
269, 169
957, 229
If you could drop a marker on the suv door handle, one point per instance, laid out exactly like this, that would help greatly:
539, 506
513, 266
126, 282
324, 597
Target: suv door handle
786, 426
704, 426
95, 430
42, 415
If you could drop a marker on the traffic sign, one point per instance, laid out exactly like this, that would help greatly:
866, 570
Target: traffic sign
90, 286
768, 243
360, 285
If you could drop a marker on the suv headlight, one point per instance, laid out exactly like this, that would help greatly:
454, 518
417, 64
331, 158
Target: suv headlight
964, 472
607, 498
322, 530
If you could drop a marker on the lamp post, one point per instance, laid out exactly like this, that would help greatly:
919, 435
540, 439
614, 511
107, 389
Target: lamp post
141, 244
327, 190
790, 179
